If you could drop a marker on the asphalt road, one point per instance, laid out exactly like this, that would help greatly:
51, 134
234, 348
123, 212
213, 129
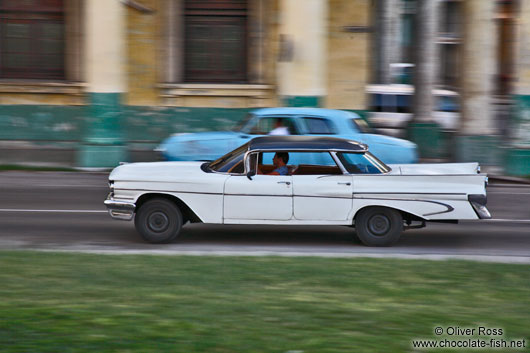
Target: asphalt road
64, 211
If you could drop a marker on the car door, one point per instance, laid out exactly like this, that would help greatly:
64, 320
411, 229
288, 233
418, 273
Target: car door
320, 191
322, 197
264, 197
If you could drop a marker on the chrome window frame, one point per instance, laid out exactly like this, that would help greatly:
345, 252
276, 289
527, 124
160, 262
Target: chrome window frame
333, 154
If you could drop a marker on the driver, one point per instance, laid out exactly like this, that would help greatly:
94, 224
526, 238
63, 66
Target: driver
280, 164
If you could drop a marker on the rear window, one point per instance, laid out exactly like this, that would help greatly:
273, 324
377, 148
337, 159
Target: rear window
362, 163
318, 126
361, 125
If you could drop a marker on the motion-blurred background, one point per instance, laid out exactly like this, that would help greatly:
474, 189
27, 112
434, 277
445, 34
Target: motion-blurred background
90, 83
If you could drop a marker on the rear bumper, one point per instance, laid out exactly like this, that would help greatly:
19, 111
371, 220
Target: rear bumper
119, 209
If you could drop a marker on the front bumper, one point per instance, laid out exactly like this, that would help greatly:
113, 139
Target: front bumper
118, 209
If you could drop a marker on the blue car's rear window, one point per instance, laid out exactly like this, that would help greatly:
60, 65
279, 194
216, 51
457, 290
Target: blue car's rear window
318, 126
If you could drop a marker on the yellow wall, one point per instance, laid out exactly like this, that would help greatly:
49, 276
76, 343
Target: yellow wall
348, 54
346, 67
143, 41
147, 64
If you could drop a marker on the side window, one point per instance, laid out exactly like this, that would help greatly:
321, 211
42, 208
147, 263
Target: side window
447, 104
377, 103
404, 103
265, 126
267, 158
385, 103
303, 163
389, 103
318, 126
362, 163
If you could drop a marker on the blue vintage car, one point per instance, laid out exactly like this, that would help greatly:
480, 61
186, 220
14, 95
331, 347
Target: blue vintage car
297, 121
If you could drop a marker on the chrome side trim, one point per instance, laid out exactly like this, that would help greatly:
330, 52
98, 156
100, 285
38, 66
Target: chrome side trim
408, 193
172, 191
122, 210
449, 208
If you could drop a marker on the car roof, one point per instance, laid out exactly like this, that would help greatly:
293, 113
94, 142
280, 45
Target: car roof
305, 143
329, 113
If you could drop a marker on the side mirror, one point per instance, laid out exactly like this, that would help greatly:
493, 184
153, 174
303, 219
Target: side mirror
250, 174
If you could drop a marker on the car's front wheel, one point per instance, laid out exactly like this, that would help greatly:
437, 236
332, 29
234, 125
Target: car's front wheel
158, 221
378, 226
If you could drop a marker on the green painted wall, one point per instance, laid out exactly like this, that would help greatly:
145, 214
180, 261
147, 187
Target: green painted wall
140, 124
156, 123
483, 149
302, 101
517, 161
428, 137
42, 122
521, 121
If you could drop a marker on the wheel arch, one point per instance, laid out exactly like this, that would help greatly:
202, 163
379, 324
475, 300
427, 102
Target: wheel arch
407, 216
187, 212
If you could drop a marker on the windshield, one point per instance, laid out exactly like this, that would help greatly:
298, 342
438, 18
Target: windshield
243, 122
230, 162
362, 163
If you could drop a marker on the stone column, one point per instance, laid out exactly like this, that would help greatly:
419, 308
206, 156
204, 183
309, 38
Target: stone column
518, 156
476, 140
386, 44
105, 77
423, 129
303, 48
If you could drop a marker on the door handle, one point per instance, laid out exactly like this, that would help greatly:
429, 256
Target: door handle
347, 183
284, 182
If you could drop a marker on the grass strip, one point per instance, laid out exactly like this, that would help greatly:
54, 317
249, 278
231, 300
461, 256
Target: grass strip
59, 302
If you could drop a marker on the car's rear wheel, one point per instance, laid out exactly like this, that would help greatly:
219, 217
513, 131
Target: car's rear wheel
158, 221
378, 226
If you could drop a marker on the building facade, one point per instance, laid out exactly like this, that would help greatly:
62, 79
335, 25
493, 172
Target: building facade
472, 48
90, 83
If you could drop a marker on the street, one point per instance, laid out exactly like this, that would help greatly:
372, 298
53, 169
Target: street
64, 211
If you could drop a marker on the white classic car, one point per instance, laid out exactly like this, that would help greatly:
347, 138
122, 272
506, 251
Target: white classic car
322, 180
